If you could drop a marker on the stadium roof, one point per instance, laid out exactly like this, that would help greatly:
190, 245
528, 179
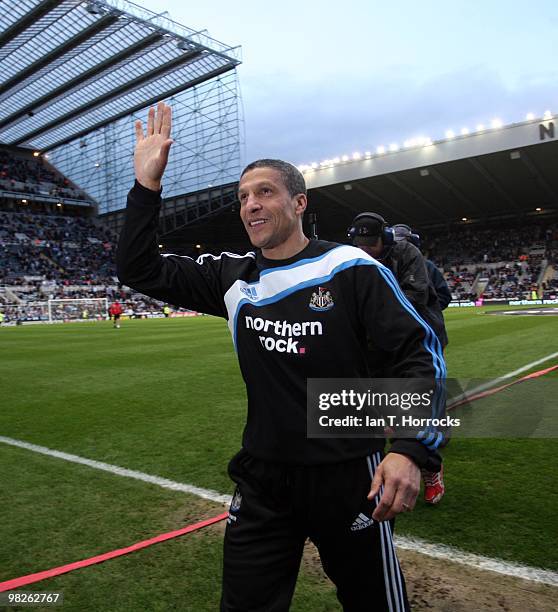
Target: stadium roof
489, 176
509, 171
68, 67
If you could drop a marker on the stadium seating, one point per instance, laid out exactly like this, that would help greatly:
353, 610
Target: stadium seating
53, 256
550, 284
56, 247
503, 263
48, 256
31, 175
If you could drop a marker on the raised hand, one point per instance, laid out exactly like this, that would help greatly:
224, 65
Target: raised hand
152, 149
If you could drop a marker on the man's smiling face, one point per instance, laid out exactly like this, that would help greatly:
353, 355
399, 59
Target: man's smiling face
268, 211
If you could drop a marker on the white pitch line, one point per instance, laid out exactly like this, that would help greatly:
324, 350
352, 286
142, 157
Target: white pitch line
527, 367
438, 551
120, 471
497, 381
449, 553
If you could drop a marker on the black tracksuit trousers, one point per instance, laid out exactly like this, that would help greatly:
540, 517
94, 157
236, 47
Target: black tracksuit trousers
276, 507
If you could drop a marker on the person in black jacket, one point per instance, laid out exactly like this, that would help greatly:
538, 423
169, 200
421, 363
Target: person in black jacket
371, 233
395, 248
402, 231
439, 282
297, 309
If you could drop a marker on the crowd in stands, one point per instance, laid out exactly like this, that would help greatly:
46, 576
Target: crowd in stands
512, 280
474, 245
66, 249
32, 176
496, 263
460, 281
550, 286
51, 257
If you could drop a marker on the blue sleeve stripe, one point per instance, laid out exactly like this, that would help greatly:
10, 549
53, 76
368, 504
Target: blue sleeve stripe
432, 344
434, 445
429, 439
392, 282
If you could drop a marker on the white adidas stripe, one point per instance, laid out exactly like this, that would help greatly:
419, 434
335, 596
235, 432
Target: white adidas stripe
394, 583
200, 259
387, 559
398, 576
371, 471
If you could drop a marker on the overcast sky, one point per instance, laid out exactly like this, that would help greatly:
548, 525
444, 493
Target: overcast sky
322, 79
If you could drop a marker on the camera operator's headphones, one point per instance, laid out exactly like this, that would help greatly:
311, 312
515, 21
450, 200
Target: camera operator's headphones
359, 228
403, 232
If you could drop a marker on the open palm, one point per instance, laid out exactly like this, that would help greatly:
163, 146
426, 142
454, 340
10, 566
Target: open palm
152, 148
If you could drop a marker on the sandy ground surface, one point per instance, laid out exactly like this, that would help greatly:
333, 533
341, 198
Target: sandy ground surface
443, 586
459, 588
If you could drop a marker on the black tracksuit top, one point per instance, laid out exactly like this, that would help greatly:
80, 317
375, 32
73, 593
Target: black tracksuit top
305, 317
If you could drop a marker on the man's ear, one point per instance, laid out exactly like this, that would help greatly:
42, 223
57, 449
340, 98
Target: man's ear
301, 204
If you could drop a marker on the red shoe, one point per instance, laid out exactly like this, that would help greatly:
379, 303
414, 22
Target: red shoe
434, 488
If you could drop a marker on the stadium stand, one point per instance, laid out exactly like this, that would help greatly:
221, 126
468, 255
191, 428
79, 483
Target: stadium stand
57, 247
50, 256
54, 256
503, 263
31, 175
52, 251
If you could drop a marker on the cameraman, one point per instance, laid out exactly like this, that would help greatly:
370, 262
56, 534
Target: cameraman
370, 232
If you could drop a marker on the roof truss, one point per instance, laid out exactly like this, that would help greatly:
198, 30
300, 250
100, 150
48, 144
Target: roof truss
68, 67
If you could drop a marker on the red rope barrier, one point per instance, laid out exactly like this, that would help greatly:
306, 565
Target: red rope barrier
15, 583
490, 392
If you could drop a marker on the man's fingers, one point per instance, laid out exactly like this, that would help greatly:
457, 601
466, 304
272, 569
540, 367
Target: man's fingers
159, 117
165, 149
401, 479
150, 121
167, 122
398, 496
411, 500
404, 501
376, 484
139, 130
382, 511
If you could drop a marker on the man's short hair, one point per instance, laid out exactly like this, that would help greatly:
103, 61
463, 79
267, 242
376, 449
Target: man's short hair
291, 176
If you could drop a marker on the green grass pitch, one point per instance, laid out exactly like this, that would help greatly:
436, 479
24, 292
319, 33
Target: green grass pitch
165, 397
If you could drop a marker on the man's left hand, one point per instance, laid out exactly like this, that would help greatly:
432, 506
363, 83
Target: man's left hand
400, 477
